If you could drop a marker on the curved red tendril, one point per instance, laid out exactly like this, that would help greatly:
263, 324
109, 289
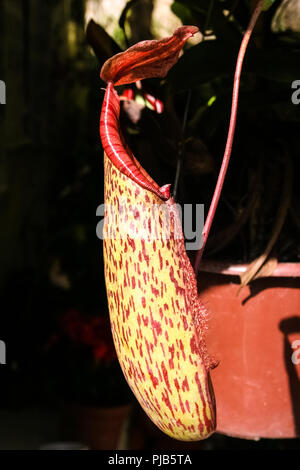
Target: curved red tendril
230, 135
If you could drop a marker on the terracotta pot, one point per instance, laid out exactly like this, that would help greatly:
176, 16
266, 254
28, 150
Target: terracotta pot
98, 428
257, 384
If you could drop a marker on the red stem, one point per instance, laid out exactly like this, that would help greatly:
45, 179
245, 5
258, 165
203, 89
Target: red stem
230, 136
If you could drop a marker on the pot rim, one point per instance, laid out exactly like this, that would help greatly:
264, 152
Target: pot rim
227, 268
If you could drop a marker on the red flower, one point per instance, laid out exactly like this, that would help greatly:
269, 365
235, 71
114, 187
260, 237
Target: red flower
87, 330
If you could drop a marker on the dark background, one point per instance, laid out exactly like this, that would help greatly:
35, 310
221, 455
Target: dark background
51, 170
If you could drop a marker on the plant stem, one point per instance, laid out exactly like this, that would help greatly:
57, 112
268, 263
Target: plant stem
230, 136
181, 152
284, 205
208, 16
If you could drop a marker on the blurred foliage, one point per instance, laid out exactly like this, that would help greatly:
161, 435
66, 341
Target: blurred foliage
52, 182
266, 137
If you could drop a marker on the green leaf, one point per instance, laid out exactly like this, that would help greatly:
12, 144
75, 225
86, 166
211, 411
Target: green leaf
204, 17
267, 4
273, 64
212, 59
183, 12
202, 63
